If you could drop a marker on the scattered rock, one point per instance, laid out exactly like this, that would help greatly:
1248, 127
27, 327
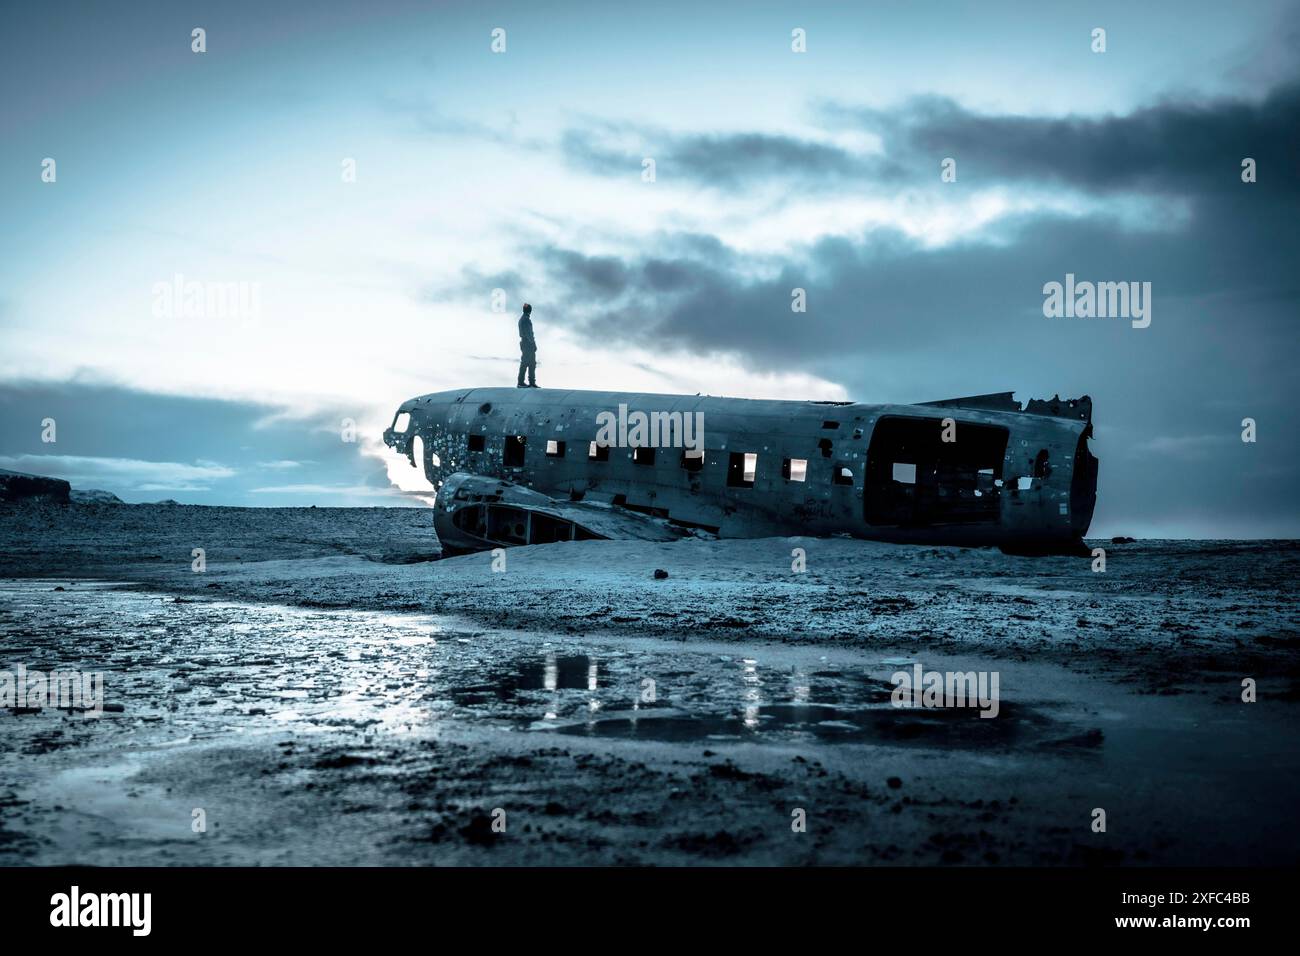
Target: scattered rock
894, 782
720, 843
660, 574
479, 830
729, 771
339, 761
1120, 539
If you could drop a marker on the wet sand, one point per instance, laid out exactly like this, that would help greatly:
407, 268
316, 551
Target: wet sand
327, 694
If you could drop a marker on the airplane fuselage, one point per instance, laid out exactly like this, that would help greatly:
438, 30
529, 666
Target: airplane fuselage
976, 471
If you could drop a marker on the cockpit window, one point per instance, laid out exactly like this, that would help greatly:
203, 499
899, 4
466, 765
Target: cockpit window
402, 422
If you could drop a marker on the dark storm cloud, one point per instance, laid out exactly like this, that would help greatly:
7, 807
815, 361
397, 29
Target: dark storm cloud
1230, 243
588, 278
721, 160
889, 294
1171, 147
595, 276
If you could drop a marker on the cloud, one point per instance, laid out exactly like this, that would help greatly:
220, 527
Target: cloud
1175, 146
335, 491
721, 160
129, 474
202, 451
1220, 242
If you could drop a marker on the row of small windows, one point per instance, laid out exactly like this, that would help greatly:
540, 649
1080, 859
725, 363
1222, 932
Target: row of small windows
742, 466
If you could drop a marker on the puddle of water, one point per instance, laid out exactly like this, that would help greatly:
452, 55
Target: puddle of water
724, 698
790, 722
207, 667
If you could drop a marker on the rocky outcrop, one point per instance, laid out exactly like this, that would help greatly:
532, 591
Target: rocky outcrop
15, 486
94, 496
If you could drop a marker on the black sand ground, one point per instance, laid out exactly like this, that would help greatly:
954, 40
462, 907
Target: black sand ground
325, 693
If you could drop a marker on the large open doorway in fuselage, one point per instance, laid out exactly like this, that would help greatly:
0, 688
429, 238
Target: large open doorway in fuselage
915, 478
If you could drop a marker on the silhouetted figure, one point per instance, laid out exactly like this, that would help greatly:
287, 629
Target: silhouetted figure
527, 349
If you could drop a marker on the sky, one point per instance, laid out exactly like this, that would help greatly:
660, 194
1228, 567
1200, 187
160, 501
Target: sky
349, 184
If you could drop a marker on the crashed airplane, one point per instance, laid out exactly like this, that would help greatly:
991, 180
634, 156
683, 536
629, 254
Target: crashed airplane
534, 466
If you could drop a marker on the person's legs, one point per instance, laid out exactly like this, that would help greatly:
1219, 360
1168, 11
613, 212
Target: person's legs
531, 362
523, 365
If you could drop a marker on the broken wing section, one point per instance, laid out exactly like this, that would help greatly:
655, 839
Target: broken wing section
476, 513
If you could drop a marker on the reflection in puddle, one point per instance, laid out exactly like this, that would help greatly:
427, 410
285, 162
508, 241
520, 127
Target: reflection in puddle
549, 672
881, 723
724, 700
206, 668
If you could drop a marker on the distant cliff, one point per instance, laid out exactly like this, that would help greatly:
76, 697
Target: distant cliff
15, 486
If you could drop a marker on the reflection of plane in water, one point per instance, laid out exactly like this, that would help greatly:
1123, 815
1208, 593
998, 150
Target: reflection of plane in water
540, 465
